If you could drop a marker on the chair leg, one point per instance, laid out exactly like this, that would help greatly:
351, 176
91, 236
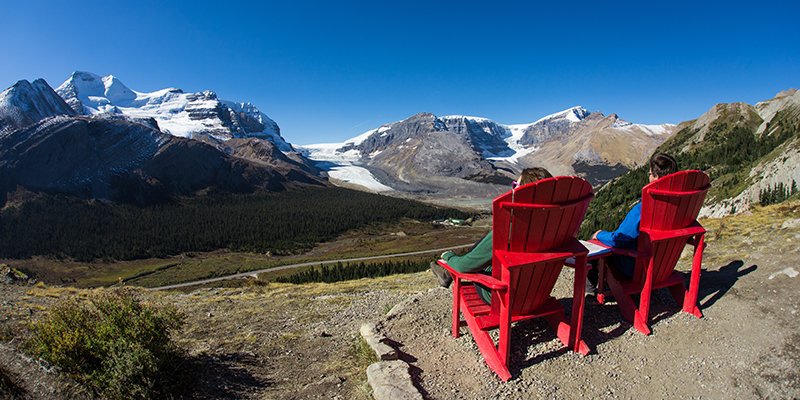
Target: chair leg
690, 302
601, 288
642, 315
487, 348
578, 301
456, 307
504, 344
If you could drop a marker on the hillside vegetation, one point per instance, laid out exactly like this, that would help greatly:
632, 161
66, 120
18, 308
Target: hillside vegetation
280, 223
726, 143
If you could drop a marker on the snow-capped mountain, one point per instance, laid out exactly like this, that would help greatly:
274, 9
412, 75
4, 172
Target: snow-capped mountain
178, 113
432, 153
46, 147
26, 103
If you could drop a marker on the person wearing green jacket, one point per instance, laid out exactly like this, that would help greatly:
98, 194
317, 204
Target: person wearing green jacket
479, 257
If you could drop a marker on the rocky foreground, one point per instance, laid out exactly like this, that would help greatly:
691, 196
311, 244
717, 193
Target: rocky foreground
302, 341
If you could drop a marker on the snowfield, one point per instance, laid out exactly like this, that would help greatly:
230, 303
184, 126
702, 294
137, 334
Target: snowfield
343, 166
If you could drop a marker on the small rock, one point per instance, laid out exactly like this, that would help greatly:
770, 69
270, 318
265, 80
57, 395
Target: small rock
390, 380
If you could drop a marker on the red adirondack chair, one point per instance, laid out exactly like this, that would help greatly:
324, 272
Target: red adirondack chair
669, 221
534, 230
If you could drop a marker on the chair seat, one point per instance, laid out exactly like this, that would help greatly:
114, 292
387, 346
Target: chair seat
472, 303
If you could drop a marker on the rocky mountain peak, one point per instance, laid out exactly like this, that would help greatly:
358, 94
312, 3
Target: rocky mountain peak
201, 114
553, 126
26, 103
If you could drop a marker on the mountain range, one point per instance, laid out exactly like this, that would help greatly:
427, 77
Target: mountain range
104, 141
458, 156
94, 137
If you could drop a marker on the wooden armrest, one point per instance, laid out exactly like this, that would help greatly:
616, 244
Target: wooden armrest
484, 280
691, 230
510, 259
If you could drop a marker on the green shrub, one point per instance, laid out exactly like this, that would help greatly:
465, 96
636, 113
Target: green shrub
113, 342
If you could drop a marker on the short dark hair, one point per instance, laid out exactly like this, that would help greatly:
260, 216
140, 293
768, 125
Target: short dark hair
662, 165
534, 174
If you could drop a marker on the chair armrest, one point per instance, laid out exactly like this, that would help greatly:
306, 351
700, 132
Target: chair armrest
691, 230
484, 280
512, 259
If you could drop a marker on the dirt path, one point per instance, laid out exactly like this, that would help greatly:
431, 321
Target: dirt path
202, 282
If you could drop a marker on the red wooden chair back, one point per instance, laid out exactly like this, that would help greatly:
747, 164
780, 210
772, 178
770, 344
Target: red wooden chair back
536, 218
669, 204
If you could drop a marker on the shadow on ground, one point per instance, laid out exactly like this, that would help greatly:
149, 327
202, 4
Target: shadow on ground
717, 283
223, 377
603, 322
9, 389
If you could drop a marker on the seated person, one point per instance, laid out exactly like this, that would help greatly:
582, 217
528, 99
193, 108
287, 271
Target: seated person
626, 235
479, 257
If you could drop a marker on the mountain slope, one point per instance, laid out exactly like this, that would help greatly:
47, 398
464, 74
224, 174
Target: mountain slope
45, 147
476, 157
26, 103
178, 113
745, 149
128, 160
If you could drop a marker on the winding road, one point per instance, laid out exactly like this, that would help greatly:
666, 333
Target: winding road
305, 264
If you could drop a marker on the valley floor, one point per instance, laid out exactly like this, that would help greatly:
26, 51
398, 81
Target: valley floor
287, 341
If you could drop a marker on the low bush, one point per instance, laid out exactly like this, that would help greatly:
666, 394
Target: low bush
113, 342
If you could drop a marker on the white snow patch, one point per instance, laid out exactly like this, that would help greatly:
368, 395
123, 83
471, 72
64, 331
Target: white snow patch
343, 165
513, 135
655, 129
357, 175
471, 118
573, 114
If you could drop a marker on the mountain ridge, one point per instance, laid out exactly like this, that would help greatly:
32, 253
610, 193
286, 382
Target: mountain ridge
456, 154
180, 113
45, 145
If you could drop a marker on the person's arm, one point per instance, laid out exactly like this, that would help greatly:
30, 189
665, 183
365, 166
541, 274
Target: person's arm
475, 260
627, 233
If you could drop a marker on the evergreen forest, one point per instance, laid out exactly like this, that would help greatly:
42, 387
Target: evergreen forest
281, 223
350, 271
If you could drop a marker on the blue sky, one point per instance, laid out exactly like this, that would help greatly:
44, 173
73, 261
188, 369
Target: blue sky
327, 71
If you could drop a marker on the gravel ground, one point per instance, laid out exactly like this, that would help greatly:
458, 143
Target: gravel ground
283, 341
746, 346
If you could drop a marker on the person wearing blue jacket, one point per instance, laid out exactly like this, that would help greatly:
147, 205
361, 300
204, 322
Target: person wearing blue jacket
626, 236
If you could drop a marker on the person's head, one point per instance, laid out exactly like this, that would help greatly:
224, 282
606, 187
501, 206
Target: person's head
530, 175
662, 165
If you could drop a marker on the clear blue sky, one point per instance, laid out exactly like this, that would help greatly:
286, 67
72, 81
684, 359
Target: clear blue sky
329, 70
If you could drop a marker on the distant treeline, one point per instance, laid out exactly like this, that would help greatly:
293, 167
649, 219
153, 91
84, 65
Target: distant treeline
350, 271
283, 222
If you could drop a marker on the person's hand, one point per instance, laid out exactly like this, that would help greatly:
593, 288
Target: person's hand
594, 237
